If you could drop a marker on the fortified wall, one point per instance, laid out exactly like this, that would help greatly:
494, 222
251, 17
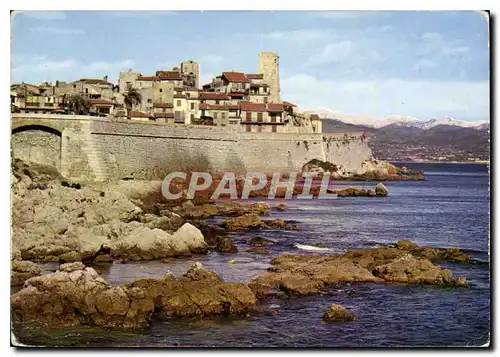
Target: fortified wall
97, 149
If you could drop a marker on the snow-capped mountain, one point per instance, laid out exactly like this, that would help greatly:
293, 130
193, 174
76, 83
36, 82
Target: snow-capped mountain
400, 120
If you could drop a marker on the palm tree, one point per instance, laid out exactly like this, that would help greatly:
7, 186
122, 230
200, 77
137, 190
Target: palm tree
130, 98
77, 104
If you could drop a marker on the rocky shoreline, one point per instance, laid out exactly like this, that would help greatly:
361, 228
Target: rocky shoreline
77, 224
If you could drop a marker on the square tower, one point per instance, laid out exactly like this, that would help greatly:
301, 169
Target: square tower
191, 69
269, 66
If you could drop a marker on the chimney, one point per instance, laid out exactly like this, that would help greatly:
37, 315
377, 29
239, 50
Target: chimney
105, 78
57, 83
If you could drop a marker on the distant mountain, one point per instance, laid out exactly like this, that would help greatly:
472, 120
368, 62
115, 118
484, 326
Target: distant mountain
400, 120
415, 140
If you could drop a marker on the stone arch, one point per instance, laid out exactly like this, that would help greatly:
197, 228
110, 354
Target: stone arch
37, 143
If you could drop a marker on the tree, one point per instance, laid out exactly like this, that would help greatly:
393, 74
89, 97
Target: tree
130, 98
77, 104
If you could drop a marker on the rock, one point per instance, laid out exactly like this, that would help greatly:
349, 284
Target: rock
142, 243
252, 221
260, 242
338, 313
410, 270
226, 245
406, 244
381, 190
22, 271
103, 258
281, 207
258, 250
226, 209
69, 267
70, 257
244, 222
81, 297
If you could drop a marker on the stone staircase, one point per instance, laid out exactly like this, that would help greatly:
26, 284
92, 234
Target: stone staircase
93, 154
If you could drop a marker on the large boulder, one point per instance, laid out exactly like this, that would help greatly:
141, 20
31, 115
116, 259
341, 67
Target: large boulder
338, 313
23, 270
142, 243
253, 221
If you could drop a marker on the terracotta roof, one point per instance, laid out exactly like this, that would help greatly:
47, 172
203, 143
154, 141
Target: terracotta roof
237, 94
252, 107
168, 75
163, 105
218, 106
288, 104
275, 107
146, 78
100, 102
213, 96
235, 77
314, 117
255, 76
164, 115
140, 115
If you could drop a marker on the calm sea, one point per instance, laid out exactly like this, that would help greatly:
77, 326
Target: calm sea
449, 209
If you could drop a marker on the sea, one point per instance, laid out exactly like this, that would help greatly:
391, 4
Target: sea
451, 208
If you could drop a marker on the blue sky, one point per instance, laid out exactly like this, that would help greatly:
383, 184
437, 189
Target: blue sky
422, 64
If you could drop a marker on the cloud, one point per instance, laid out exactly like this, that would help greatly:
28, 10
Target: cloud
423, 63
43, 15
211, 59
344, 15
138, 13
57, 31
296, 35
38, 69
332, 52
114, 67
456, 51
419, 98
431, 37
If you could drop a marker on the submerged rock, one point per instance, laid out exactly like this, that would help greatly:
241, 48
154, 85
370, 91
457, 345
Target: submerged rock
281, 207
338, 313
226, 245
260, 242
258, 250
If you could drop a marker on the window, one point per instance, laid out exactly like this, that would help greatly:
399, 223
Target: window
265, 100
259, 117
192, 117
249, 116
192, 106
164, 110
223, 115
150, 100
273, 119
215, 115
249, 128
86, 91
74, 86
178, 103
274, 128
217, 101
161, 90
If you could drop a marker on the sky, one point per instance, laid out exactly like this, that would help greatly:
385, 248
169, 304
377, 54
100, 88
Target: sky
378, 63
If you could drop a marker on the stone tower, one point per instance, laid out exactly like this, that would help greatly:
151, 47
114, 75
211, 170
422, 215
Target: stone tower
192, 68
269, 66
